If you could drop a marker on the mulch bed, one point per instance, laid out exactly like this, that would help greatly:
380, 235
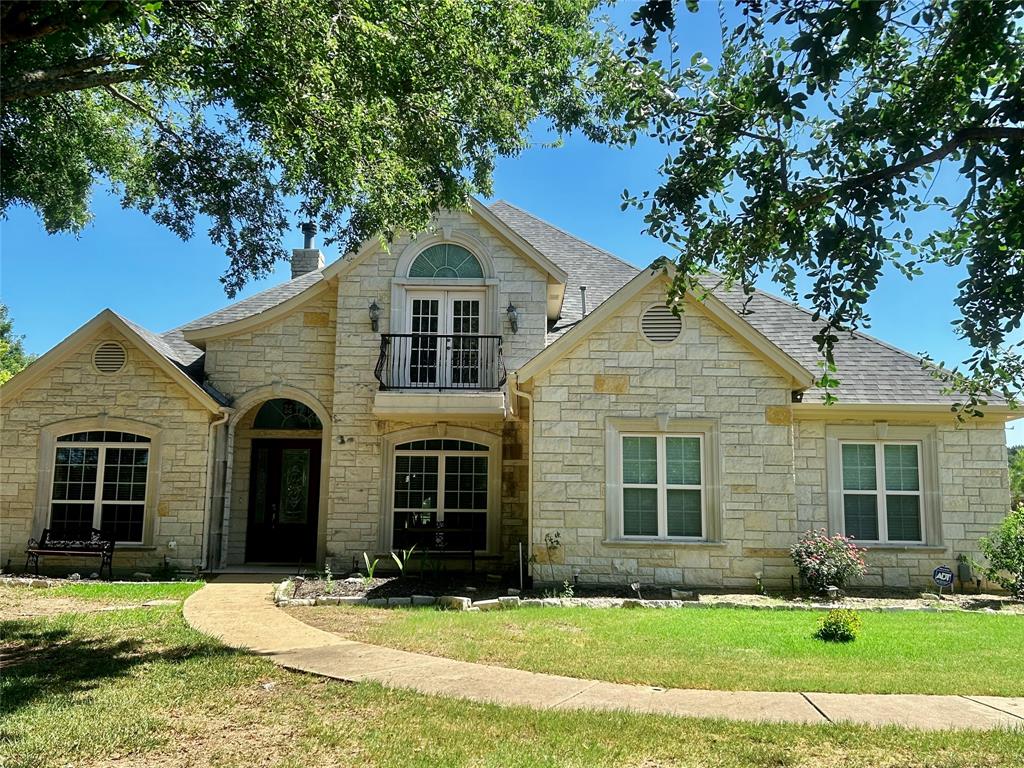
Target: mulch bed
480, 587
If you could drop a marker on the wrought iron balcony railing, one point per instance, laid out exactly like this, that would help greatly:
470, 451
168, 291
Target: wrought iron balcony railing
440, 362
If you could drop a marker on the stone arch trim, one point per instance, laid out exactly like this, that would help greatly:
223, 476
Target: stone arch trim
467, 241
243, 405
492, 440
48, 435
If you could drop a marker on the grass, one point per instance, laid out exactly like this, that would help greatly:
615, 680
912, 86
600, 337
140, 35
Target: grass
133, 592
137, 687
715, 648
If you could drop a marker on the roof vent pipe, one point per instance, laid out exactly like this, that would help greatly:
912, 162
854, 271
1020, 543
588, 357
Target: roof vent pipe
308, 235
583, 299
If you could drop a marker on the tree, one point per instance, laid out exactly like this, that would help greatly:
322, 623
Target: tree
1015, 457
13, 357
808, 152
368, 115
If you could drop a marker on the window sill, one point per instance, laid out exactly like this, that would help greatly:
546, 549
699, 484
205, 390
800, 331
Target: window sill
133, 547
662, 543
901, 547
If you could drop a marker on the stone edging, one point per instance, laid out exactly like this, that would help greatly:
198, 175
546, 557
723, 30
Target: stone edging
459, 603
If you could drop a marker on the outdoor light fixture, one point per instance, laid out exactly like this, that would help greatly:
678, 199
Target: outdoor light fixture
374, 316
513, 317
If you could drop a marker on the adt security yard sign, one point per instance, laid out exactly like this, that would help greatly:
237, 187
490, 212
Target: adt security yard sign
943, 577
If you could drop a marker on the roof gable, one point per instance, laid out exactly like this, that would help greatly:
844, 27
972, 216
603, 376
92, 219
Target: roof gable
154, 347
717, 311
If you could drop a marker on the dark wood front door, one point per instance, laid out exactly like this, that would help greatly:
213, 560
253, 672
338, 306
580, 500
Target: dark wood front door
284, 496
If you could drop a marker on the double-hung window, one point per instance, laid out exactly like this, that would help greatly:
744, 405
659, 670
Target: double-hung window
881, 485
99, 481
662, 486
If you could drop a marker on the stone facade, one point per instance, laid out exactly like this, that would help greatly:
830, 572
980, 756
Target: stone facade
766, 460
75, 393
706, 375
973, 485
771, 469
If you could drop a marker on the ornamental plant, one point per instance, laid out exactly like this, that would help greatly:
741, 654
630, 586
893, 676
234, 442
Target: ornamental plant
1004, 550
840, 625
825, 560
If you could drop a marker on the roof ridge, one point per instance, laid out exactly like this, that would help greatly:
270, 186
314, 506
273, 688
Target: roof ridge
570, 235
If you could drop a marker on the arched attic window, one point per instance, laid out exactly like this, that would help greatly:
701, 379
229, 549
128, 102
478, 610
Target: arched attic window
286, 414
446, 260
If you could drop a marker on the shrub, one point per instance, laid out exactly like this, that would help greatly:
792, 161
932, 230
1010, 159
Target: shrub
825, 560
840, 625
1004, 550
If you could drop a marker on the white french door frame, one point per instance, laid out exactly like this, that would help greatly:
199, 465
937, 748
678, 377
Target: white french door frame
444, 356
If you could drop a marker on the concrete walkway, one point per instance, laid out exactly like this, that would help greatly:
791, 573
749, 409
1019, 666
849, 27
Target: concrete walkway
243, 615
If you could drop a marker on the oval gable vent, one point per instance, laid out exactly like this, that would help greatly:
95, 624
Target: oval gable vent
109, 357
660, 326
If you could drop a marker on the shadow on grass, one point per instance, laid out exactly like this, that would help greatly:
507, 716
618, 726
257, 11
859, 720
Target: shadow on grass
39, 662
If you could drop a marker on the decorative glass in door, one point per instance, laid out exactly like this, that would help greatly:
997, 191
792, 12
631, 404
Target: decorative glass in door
294, 486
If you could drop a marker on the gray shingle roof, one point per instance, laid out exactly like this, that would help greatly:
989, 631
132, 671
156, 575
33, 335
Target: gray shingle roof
601, 272
261, 302
188, 358
871, 371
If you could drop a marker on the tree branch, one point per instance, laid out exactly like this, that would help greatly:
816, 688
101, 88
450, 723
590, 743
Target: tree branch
959, 139
161, 125
81, 82
21, 28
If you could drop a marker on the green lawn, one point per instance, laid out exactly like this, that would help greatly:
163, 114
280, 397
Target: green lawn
720, 648
131, 592
137, 687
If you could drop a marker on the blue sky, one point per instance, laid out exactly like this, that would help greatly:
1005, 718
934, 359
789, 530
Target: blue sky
55, 283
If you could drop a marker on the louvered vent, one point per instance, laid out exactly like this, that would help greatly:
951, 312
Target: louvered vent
660, 326
109, 357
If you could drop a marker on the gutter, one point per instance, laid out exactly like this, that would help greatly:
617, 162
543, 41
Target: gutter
514, 389
211, 482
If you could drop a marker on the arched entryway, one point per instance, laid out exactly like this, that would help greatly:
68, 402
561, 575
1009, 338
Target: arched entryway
277, 481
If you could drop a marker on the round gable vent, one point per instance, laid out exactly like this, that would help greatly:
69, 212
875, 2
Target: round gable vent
660, 326
109, 357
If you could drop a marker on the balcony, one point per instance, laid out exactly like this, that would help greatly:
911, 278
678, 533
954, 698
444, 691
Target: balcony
439, 374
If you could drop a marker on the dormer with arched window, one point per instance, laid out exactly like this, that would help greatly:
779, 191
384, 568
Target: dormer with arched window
445, 314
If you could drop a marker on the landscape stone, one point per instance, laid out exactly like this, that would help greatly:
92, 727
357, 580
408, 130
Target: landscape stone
423, 600
454, 602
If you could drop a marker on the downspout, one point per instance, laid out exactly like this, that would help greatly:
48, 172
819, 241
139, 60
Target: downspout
211, 483
529, 467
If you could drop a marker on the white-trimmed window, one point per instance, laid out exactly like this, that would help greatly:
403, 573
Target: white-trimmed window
100, 480
662, 487
882, 491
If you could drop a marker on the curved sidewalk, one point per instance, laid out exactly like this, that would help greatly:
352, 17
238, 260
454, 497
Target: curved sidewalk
243, 615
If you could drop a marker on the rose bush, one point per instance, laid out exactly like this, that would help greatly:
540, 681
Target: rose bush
825, 560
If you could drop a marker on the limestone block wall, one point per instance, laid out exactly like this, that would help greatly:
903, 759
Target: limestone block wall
973, 485
296, 350
142, 392
357, 509
705, 374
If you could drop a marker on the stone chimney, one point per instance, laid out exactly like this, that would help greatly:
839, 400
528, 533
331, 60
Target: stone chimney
307, 258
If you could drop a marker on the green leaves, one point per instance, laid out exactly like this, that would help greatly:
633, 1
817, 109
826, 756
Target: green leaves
365, 116
806, 152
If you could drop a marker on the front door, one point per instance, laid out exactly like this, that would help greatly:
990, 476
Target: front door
284, 494
445, 346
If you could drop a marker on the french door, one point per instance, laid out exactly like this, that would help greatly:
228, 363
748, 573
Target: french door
445, 348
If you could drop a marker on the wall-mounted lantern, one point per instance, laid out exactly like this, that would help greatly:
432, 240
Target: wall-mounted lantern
374, 311
513, 317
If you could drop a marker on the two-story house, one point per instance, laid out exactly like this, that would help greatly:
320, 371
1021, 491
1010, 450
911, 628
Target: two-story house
491, 382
